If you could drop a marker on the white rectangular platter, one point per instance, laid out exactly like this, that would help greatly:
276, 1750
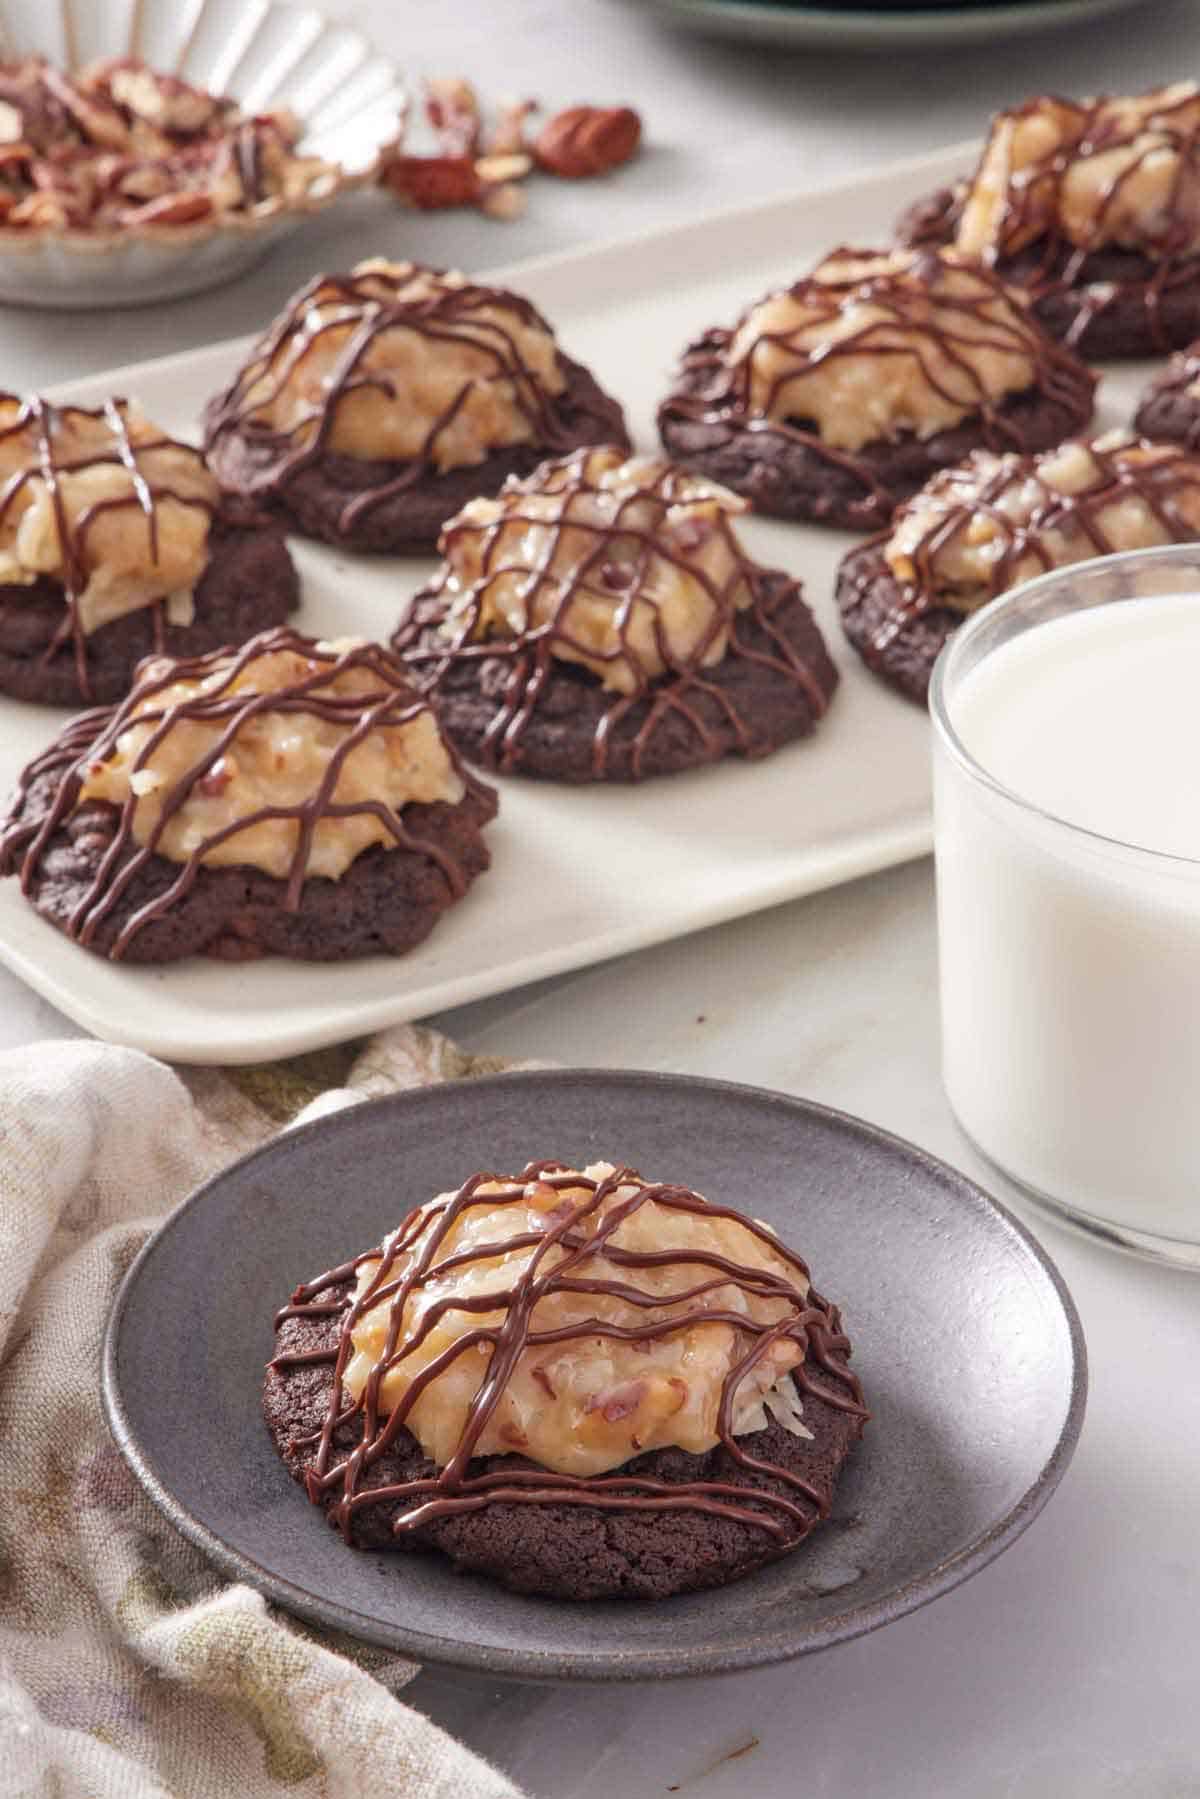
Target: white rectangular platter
579, 874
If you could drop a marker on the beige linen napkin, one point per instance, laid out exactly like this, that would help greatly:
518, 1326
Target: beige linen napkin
128, 1666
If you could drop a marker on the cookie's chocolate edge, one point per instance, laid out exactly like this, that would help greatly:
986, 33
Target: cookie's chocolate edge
588, 1541
311, 500
787, 472
249, 584
239, 913
560, 748
868, 596
1167, 411
1128, 323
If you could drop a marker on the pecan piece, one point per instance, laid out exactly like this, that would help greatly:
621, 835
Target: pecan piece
588, 140
433, 182
44, 211
617, 1402
162, 100
95, 117
217, 779
168, 209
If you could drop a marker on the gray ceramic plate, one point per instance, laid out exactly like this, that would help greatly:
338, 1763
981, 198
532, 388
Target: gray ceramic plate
894, 28
966, 1340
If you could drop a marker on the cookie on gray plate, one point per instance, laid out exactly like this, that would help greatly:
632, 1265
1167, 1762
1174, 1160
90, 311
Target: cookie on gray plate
657, 1401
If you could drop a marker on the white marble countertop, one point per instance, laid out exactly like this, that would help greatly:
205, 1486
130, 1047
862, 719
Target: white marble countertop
1067, 1668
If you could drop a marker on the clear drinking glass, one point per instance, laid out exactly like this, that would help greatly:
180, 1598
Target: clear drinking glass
1069, 961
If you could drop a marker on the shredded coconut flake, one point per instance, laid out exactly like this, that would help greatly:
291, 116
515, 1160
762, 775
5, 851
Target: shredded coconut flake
783, 1403
181, 607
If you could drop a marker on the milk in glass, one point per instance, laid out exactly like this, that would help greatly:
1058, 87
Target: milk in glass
1069, 909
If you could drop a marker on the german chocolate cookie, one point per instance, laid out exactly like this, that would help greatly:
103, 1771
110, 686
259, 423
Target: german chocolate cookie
834, 399
289, 798
1091, 208
115, 544
977, 530
381, 401
601, 622
564, 1472
1170, 408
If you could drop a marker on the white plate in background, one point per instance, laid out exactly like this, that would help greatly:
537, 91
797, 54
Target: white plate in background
578, 874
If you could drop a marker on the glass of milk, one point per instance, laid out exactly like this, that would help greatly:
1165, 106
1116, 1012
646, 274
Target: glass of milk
1067, 831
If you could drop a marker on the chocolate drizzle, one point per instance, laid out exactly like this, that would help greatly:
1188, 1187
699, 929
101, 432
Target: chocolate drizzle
616, 559
714, 388
449, 316
1158, 484
809, 1321
47, 423
90, 738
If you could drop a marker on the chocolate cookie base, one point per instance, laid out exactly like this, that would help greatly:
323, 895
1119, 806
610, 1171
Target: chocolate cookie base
564, 1551
787, 471
1168, 412
249, 585
1107, 305
871, 600
387, 901
579, 731
398, 506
